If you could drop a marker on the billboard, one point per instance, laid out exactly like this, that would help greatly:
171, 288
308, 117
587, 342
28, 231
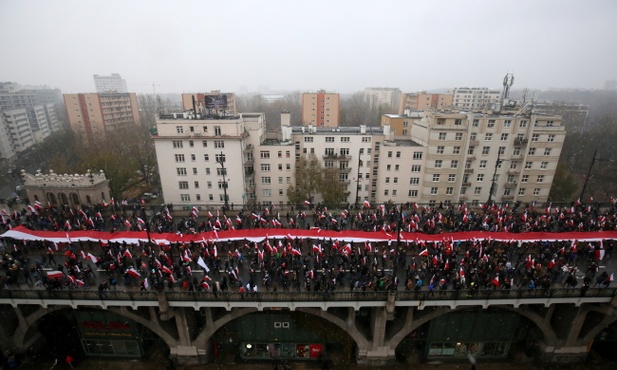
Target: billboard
216, 102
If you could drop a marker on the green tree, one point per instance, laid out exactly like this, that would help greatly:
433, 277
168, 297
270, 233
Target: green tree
309, 179
564, 185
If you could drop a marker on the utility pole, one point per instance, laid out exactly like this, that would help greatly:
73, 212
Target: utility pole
593, 160
223, 171
358, 179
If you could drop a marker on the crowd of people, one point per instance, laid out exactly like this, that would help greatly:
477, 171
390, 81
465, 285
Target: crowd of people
313, 265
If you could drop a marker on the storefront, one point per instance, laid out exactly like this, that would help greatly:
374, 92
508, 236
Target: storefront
104, 333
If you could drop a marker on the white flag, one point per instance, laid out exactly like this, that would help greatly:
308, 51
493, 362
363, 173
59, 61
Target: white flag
202, 263
146, 283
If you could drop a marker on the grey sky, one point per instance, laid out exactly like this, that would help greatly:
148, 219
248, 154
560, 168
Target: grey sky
341, 46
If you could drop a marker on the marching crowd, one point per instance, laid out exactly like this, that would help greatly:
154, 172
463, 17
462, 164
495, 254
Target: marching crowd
325, 265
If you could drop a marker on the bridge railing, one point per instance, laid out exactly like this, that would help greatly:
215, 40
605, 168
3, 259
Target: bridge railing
292, 296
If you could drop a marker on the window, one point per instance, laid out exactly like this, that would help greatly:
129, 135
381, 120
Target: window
486, 150
390, 154
517, 151
181, 171
491, 123
540, 178
185, 197
442, 136
547, 151
177, 143
454, 163
265, 180
183, 184
281, 192
477, 190
196, 184
387, 180
329, 151
473, 136
396, 167
264, 154
440, 149
192, 128
524, 178
435, 177
480, 177
449, 190
523, 123
179, 130
179, 158
412, 193
344, 139
398, 154
207, 170
386, 192
388, 167
535, 137
329, 139
504, 137
366, 139
210, 197
265, 167
532, 151
194, 171
551, 138
502, 150
521, 191
458, 136
483, 163
417, 155
221, 171
204, 143
395, 180
438, 163
288, 167
329, 164
476, 122
456, 150
451, 177
219, 144
280, 153
209, 184
471, 150
434, 190
288, 180
414, 181
488, 137
220, 158
307, 139
513, 165
536, 191
458, 122
191, 144
507, 123
266, 192
344, 151
416, 168
544, 165
280, 167
393, 193
528, 165
217, 130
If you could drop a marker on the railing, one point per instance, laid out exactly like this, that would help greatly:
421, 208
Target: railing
407, 295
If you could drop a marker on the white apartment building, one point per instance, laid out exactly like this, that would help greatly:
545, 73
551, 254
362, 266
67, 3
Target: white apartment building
382, 96
18, 129
110, 84
448, 157
475, 98
7, 153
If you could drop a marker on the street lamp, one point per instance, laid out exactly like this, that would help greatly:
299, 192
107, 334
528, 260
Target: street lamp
90, 176
221, 161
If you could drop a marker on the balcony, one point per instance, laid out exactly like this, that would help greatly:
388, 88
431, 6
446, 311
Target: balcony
345, 170
248, 148
344, 182
468, 170
510, 185
520, 141
332, 156
507, 197
466, 184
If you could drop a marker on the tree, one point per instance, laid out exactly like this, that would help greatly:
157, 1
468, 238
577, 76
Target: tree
564, 185
309, 179
332, 190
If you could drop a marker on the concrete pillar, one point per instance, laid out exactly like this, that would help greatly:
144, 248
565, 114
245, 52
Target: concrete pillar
571, 350
185, 352
377, 353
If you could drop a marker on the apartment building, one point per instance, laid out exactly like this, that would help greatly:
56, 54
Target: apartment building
475, 98
18, 130
214, 103
400, 124
320, 109
445, 158
424, 101
382, 97
110, 84
92, 115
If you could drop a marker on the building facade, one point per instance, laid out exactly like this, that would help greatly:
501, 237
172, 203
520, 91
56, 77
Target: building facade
475, 98
320, 109
73, 190
382, 97
91, 115
424, 101
110, 84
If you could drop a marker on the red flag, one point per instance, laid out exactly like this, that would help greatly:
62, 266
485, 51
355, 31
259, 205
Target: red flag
128, 254
166, 270
133, 273
496, 281
424, 252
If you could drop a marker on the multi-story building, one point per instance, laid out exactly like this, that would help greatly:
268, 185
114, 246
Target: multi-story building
424, 101
382, 97
475, 98
110, 84
400, 124
443, 158
18, 129
213, 103
7, 152
92, 115
320, 109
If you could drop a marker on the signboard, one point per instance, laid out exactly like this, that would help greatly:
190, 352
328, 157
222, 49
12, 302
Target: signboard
216, 102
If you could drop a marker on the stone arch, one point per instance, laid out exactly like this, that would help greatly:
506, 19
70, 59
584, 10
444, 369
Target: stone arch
609, 319
351, 329
212, 326
51, 198
535, 318
63, 199
74, 197
152, 325
25, 323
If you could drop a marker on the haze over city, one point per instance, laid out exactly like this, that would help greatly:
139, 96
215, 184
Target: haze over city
341, 46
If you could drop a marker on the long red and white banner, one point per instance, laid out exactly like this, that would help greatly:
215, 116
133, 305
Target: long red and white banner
259, 235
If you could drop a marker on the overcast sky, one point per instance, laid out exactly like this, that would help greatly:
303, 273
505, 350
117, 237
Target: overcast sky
342, 46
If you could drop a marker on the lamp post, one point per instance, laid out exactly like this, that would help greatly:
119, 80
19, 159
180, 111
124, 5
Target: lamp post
358, 178
221, 160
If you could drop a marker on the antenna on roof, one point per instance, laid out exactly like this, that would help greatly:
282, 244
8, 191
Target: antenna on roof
508, 81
